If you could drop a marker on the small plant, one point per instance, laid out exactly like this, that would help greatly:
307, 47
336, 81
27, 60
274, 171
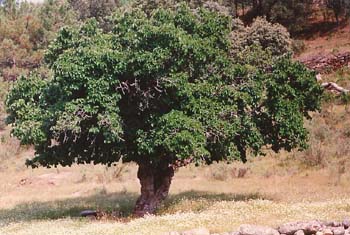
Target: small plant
298, 46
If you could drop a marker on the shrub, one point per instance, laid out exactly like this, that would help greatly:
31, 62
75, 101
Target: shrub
272, 37
298, 46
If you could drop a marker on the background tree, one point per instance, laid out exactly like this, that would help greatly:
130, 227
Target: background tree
98, 9
293, 14
340, 8
162, 91
25, 33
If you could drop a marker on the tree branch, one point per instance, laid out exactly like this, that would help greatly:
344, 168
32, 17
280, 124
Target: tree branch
331, 86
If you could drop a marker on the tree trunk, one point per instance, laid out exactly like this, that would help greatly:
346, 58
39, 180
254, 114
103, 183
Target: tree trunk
236, 8
155, 184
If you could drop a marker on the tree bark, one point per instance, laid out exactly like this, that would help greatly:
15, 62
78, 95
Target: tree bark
155, 183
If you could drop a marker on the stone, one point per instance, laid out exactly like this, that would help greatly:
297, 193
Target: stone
346, 223
338, 230
88, 213
327, 232
319, 233
312, 227
197, 231
308, 227
247, 229
299, 232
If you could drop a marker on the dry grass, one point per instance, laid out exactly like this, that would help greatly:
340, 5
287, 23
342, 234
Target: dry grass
336, 40
48, 201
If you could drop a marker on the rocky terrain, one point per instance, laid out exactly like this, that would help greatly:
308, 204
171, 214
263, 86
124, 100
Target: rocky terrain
295, 228
327, 63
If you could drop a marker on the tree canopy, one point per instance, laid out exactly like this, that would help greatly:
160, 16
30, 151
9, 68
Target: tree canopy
161, 90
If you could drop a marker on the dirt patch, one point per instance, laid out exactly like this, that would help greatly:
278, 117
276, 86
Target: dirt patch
46, 179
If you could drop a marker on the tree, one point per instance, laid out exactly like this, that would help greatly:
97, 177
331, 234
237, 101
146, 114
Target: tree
98, 9
161, 91
293, 14
339, 8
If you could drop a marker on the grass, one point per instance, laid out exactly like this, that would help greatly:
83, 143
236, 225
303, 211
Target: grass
221, 216
50, 201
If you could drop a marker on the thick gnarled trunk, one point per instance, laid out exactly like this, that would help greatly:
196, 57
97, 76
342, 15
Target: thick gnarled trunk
155, 184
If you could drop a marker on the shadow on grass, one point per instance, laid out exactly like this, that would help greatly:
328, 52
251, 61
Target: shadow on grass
196, 201
69, 208
108, 202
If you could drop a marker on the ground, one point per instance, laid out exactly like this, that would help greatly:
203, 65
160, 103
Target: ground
277, 188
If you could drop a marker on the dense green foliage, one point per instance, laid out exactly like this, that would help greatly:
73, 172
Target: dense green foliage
158, 89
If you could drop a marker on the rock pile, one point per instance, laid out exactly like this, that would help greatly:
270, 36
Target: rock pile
314, 227
327, 63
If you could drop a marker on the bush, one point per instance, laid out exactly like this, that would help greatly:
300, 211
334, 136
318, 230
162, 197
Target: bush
298, 46
3, 92
272, 37
223, 171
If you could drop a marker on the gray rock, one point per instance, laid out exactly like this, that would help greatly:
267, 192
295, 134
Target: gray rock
346, 223
308, 227
88, 213
327, 232
247, 229
338, 230
299, 232
197, 231
337, 224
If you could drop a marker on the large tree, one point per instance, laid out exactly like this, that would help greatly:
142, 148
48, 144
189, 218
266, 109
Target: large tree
160, 90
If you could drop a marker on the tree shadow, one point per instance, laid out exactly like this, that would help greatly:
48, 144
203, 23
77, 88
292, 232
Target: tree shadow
196, 201
321, 28
122, 203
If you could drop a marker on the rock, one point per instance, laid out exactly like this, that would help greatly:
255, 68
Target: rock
319, 233
312, 227
308, 227
346, 223
332, 223
338, 230
299, 232
327, 232
88, 213
347, 232
197, 231
247, 229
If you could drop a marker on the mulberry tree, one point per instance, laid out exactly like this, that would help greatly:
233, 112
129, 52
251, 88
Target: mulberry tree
160, 90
